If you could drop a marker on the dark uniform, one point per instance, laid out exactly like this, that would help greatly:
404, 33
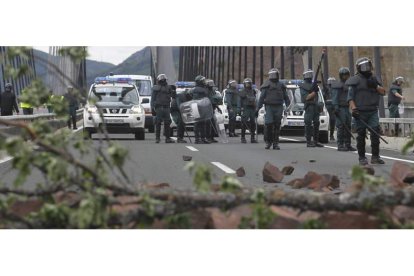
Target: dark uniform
247, 105
8, 101
178, 99
231, 99
273, 95
216, 99
364, 93
327, 95
394, 99
160, 105
73, 105
198, 92
309, 94
341, 110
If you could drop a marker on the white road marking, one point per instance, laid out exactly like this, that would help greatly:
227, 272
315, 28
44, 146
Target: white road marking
369, 154
191, 148
289, 139
174, 138
223, 167
5, 159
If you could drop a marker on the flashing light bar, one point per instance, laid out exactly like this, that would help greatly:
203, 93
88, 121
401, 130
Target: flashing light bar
241, 86
185, 84
103, 80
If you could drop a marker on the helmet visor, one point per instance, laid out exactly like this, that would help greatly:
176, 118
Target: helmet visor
365, 66
308, 74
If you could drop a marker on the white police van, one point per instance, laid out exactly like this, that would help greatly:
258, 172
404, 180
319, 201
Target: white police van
295, 112
114, 103
144, 85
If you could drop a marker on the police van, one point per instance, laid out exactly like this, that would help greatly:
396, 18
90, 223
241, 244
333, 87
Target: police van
114, 103
295, 112
144, 85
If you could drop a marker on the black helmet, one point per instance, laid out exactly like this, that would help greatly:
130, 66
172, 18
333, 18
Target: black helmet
308, 74
210, 83
344, 73
8, 86
363, 65
232, 83
200, 80
247, 82
273, 74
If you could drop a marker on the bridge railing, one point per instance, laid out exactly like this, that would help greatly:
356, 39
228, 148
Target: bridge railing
405, 126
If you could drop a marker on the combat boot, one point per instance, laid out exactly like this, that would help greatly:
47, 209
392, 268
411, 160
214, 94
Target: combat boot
198, 141
243, 140
310, 144
253, 140
181, 140
169, 140
350, 148
269, 134
341, 147
268, 145
276, 146
204, 141
157, 133
212, 140
377, 160
363, 161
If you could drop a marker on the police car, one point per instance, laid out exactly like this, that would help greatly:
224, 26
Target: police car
295, 112
114, 102
223, 107
144, 85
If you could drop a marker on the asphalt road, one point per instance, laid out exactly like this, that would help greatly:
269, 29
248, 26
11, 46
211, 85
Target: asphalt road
156, 163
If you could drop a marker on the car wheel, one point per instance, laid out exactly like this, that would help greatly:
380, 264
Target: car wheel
324, 137
140, 135
151, 129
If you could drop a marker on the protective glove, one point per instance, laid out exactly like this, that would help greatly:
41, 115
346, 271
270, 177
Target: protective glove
153, 112
355, 113
285, 113
256, 113
372, 83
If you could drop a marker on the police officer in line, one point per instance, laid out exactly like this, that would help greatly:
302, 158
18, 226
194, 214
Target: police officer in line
395, 95
27, 108
309, 94
329, 106
73, 105
216, 100
247, 106
273, 95
198, 92
178, 99
231, 99
364, 92
160, 106
341, 110
8, 101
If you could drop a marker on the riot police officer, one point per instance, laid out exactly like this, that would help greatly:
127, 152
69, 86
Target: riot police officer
309, 94
231, 99
341, 110
395, 95
160, 105
329, 106
216, 100
364, 93
273, 95
198, 92
8, 101
247, 106
178, 99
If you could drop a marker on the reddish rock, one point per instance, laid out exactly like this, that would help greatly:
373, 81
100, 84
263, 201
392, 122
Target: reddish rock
369, 169
69, 198
286, 217
401, 174
308, 215
349, 220
297, 183
240, 172
230, 219
23, 208
404, 214
199, 219
124, 209
157, 185
272, 174
288, 170
318, 182
125, 200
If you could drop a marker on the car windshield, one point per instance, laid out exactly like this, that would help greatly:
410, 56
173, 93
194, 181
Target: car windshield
295, 97
144, 87
126, 94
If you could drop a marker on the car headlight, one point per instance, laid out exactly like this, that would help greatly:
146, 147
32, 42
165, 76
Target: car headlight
136, 109
91, 109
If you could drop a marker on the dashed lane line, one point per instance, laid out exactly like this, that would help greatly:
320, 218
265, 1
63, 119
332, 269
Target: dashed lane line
191, 148
223, 167
369, 154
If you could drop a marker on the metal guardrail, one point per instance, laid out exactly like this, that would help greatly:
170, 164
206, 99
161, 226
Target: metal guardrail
405, 126
34, 117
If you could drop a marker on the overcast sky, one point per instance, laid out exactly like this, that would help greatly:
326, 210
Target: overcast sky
110, 54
